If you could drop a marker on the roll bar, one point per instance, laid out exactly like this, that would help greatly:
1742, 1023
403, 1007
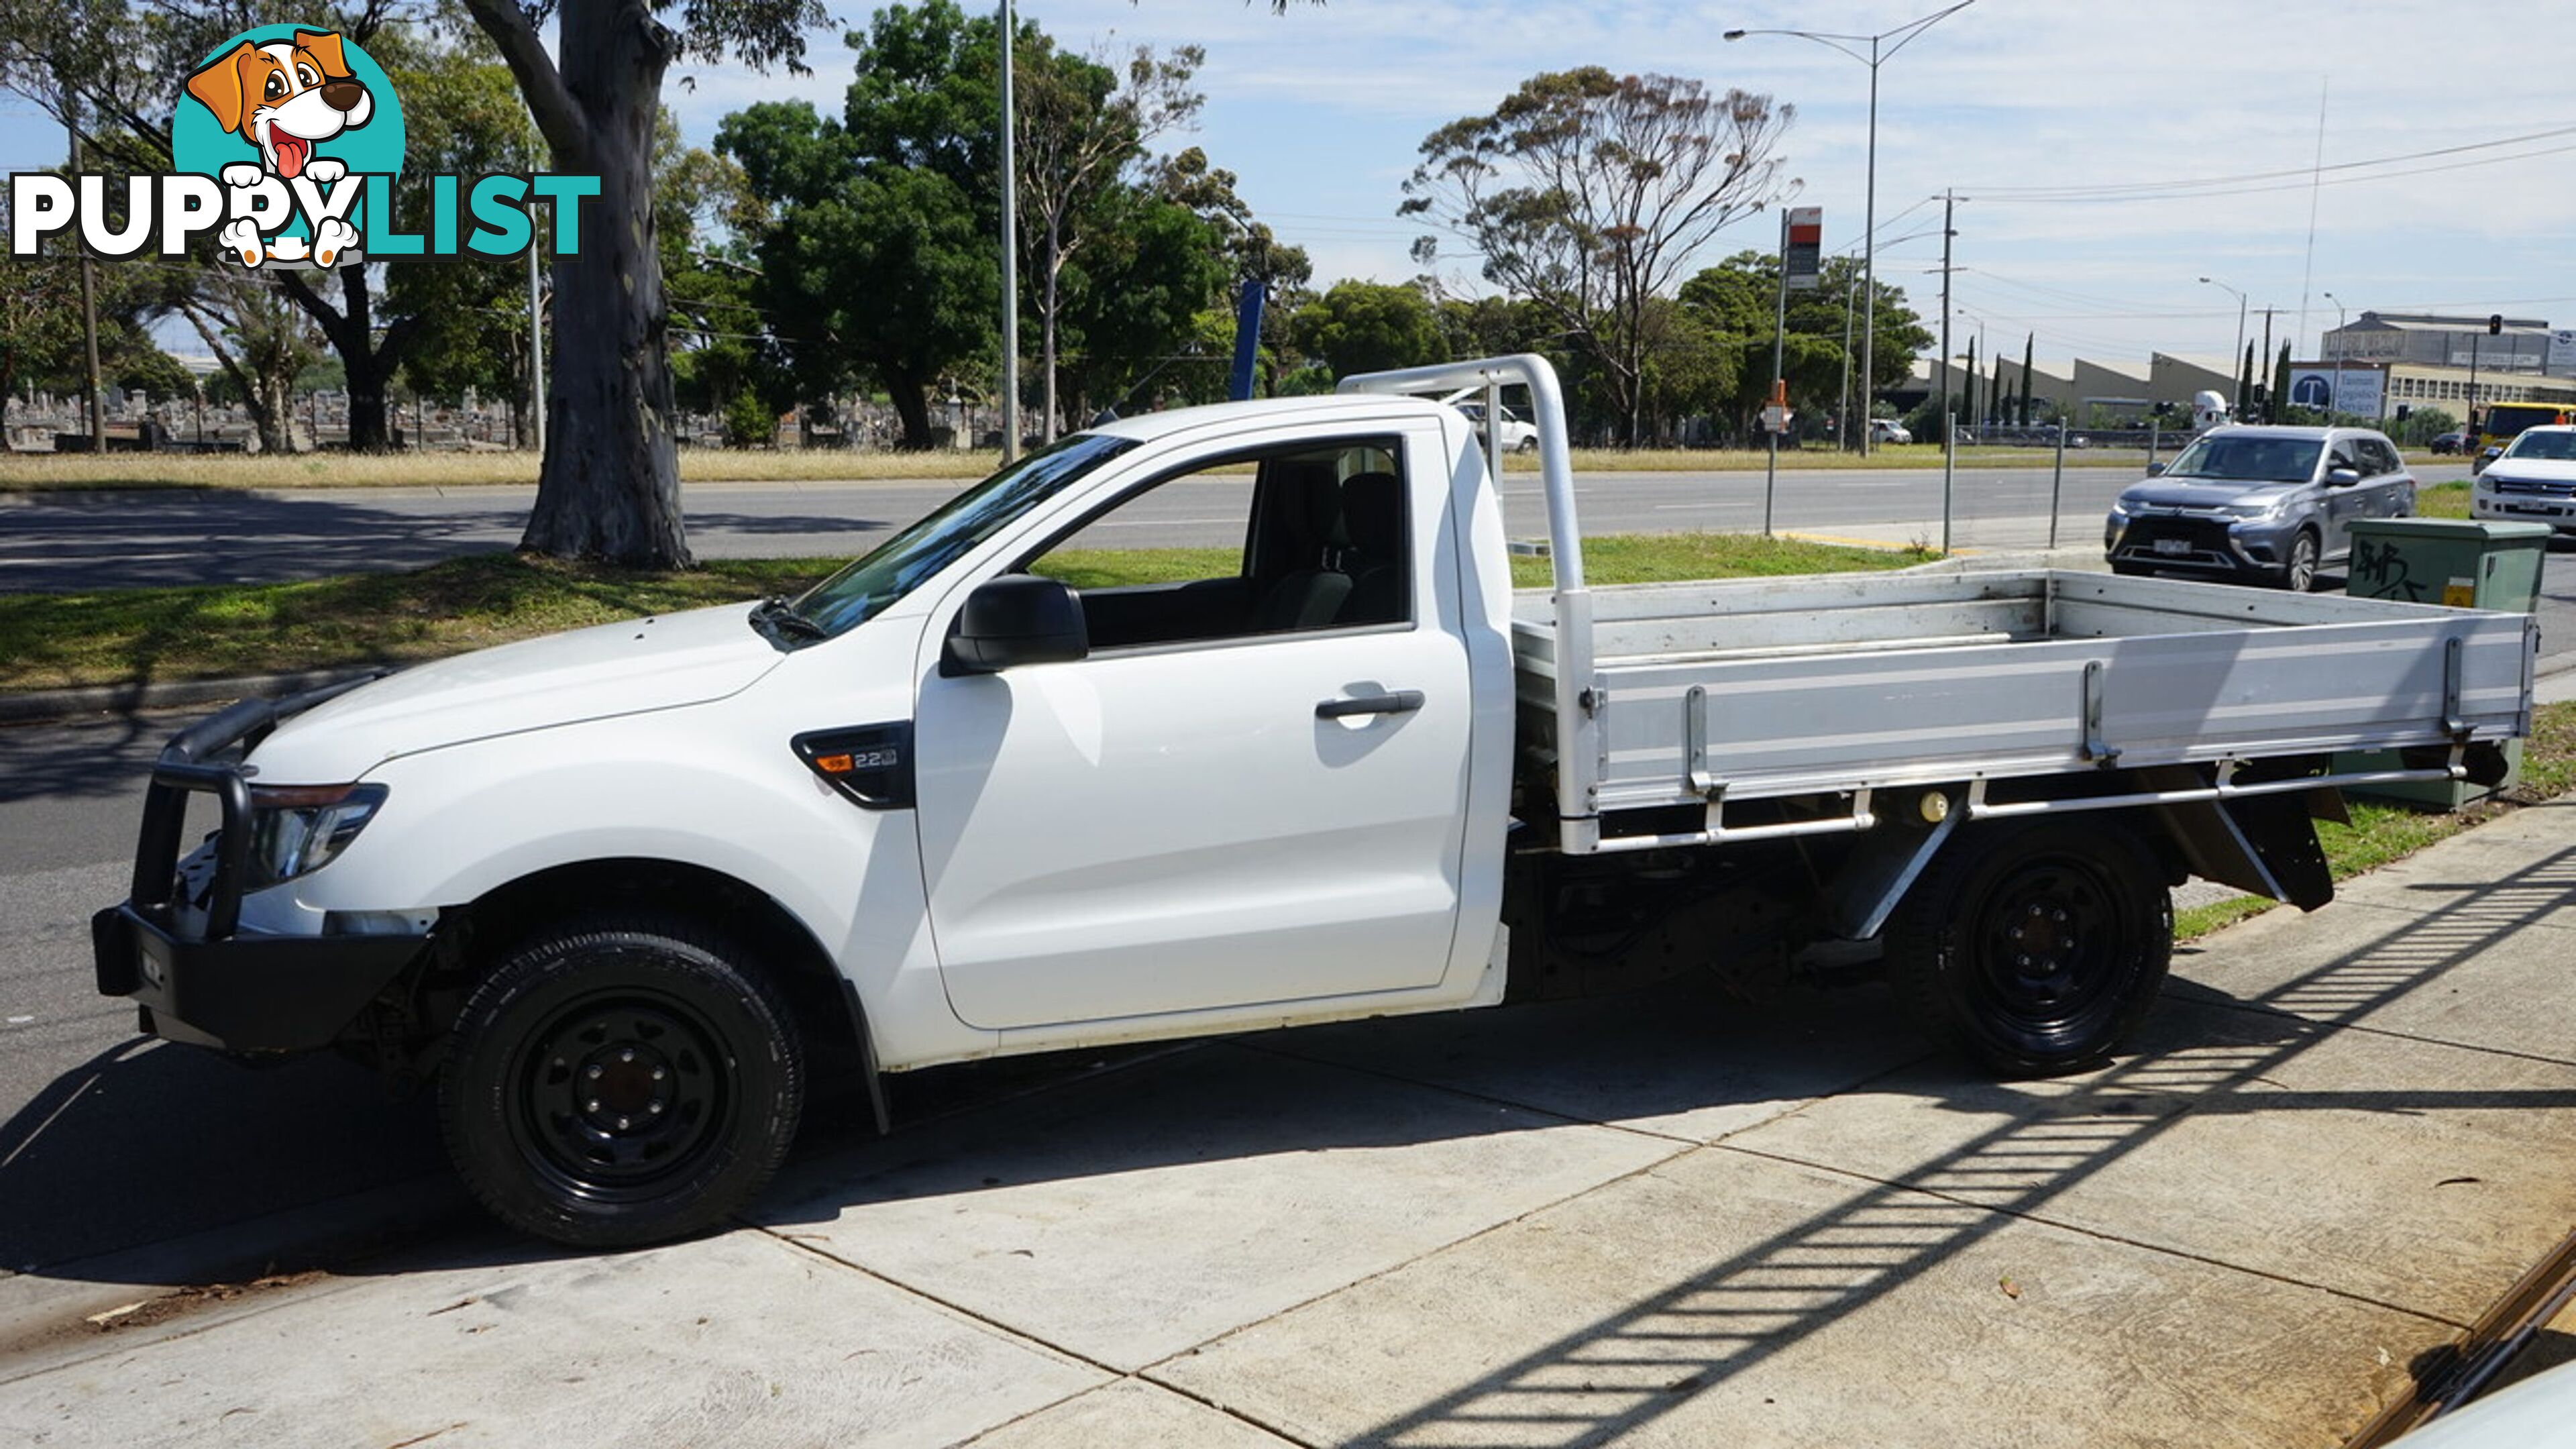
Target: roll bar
1547, 406
1578, 761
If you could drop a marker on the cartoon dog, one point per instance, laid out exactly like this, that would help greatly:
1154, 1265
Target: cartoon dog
284, 97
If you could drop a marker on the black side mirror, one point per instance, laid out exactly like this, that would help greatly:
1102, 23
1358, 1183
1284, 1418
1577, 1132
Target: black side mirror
2342, 477
2154, 470
1013, 620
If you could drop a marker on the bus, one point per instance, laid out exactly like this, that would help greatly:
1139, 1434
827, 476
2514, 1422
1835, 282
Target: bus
2500, 423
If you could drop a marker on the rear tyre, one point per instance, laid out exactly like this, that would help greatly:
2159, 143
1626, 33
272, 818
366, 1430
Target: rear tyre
2035, 949
620, 1083
2299, 574
1528, 445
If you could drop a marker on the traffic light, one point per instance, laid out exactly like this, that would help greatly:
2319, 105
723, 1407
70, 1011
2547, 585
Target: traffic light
2495, 324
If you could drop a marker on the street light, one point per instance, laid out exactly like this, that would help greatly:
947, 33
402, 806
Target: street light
2233, 358
2336, 401
1902, 35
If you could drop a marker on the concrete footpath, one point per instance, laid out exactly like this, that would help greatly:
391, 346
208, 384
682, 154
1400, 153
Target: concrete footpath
1666, 1220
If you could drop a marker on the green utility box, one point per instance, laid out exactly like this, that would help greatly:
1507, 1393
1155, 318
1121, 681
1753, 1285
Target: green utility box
2463, 564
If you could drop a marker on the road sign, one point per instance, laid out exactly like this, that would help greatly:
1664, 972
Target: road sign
1802, 246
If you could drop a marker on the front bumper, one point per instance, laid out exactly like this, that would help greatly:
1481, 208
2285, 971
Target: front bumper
2196, 543
246, 993
2520, 502
214, 985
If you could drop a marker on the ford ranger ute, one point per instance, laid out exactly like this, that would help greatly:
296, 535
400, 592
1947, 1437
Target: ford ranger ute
620, 894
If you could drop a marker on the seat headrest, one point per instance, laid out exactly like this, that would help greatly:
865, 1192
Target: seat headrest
1373, 513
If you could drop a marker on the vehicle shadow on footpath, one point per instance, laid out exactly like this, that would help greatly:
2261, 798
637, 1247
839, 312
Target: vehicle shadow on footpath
143, 1144
1767, 1299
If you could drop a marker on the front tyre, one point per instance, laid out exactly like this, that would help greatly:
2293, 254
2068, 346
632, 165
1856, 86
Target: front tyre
619, 1083
2036, 949
2299, 574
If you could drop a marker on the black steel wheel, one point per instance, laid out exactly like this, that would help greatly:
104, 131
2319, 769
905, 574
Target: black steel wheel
621, 1083
2035, 948
2299, 574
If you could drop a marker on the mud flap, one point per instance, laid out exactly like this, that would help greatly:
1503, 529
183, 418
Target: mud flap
2262, 844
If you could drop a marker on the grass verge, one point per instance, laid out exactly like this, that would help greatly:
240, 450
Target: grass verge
216, 631
2445, 500
48, 472
2380, 834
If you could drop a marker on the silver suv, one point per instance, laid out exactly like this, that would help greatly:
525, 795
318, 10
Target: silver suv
2258, 504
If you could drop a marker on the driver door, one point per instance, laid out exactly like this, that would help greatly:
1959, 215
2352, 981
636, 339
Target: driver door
1252, 790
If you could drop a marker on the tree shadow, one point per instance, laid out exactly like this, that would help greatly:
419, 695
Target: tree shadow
1735, 1314
66, 542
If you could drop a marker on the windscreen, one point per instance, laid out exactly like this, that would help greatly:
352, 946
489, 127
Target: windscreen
2248, 460
898, 565
2549, 447
2506, 420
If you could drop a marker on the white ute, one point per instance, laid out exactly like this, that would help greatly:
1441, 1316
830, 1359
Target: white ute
622, 893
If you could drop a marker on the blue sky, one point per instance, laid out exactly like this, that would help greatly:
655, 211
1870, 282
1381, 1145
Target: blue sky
1320, 113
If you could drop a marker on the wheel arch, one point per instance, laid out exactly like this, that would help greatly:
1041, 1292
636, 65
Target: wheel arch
828, 1013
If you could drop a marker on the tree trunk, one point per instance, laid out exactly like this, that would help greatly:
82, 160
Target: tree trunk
368, 364
272, 409
610, 484
911, 409
1046, 321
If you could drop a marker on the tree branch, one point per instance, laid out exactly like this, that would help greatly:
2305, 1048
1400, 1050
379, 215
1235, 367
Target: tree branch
558, 115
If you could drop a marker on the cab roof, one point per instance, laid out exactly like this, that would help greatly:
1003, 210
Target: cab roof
1322, 408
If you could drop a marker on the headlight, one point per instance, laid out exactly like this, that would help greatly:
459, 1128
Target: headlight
298, 829
2119, 508
2258, 510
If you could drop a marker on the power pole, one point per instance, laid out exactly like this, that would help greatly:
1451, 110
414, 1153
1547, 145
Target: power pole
536, 355
1949, 453
1010, 252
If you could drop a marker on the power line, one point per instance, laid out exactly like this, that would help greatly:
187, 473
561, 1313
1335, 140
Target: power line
2300, 176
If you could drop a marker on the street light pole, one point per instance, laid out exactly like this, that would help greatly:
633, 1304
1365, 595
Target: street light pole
1902, 35
2335, 403
2234, 359
1010, 253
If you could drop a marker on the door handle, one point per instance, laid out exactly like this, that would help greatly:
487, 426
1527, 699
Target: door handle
1402, 701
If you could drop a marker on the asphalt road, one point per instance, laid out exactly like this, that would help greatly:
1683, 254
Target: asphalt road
60, 541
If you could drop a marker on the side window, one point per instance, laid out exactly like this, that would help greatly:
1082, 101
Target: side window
1280, 541
2381, 457
2342, 456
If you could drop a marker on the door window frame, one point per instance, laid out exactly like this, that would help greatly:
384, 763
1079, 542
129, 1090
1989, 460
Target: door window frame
1396, 442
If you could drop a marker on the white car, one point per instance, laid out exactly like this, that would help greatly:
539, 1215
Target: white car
1519, 434
1888, 430
2532, 481
623, 892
